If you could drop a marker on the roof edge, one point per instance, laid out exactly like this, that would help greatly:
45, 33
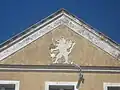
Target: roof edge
48, 20
9, 41
60, 11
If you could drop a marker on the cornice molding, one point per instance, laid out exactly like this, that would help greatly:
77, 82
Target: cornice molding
66, 19
59, 68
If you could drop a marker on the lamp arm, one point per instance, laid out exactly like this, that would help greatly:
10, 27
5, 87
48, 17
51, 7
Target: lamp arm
81, 78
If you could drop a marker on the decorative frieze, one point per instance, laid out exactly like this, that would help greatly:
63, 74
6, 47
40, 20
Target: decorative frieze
92, 37
71, 22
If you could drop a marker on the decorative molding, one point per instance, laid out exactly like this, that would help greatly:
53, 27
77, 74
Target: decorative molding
47, 83
11, 82
62, 19
59, 68
106, 85
91, 36
24, 42
60, 50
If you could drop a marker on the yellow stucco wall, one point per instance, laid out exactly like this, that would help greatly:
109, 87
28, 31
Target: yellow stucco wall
36, 80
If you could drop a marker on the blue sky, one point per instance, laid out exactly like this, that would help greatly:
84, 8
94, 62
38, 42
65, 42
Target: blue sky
17, 15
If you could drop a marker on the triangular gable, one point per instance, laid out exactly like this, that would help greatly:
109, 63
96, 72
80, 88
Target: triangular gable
61, 17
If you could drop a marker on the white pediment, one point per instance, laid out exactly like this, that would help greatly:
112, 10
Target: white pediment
61, 18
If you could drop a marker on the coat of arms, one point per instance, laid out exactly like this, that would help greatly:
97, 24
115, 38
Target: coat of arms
60, 50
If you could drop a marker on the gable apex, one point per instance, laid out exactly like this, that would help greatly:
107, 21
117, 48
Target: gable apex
61, 17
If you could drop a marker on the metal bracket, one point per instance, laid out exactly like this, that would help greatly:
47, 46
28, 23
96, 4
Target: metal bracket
81, 78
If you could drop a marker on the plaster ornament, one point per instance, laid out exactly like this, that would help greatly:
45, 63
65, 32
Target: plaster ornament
60, 50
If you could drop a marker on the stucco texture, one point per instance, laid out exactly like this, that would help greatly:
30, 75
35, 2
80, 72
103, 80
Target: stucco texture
36, 80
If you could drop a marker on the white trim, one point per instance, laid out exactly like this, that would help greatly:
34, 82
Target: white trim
24, 42
11, 82
110, 84
74, 24
47, 83
61, 70
91, 36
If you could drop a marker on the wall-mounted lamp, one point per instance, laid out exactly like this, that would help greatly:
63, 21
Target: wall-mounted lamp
81, 78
